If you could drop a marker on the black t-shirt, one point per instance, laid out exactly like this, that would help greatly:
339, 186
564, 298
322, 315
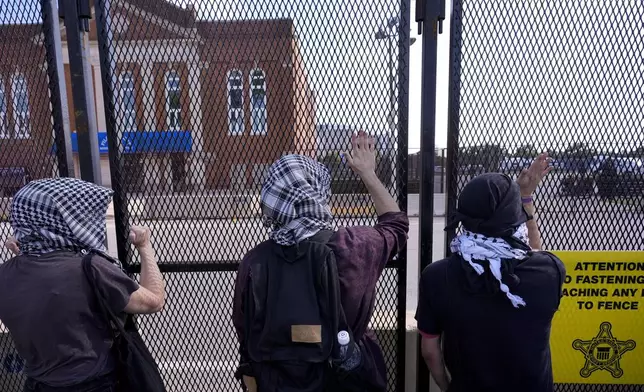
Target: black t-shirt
49, 307
488, 344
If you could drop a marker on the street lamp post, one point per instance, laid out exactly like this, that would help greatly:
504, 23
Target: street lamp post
390, 33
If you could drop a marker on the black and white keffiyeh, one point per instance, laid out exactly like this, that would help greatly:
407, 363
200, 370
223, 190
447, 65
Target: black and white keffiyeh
494, 234
295, 198
473, 247
60, 214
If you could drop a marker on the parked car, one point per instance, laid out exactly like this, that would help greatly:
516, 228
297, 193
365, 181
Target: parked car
606, 177
579, 185
620, 177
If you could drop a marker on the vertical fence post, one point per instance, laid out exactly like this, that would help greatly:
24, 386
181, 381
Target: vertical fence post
77, 14
443, 168
57, 88
402, 180
105, 51
453, 115
431, 14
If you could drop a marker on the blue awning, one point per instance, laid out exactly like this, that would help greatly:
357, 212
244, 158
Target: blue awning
157, 141
102, 142
144, 141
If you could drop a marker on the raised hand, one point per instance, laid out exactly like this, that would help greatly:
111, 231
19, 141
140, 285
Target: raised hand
362, 158
531, 177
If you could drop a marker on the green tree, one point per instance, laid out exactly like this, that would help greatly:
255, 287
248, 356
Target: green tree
579, 150
526, 151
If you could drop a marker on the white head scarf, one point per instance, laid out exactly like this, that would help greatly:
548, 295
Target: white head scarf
472, 247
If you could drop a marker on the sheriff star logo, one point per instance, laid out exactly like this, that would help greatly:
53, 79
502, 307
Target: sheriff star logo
603, 352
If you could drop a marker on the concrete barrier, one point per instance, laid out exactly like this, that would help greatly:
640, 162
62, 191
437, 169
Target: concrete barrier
413, 204
230, 206
388, 339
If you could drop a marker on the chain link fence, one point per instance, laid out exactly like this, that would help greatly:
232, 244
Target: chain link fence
562, 77
200, 98
30, 121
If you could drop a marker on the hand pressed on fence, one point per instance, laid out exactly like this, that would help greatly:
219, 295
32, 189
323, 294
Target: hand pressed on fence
295, 205
485, 312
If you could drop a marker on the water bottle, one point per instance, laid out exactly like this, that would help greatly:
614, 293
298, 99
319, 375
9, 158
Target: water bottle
352, 362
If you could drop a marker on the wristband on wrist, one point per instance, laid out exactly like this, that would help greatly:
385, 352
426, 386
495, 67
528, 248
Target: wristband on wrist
527, 199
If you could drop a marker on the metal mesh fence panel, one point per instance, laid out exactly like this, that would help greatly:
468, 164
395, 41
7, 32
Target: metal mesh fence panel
30, 119
562, 77
200, 98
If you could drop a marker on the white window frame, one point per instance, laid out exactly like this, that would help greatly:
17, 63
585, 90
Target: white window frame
238, 127
4, 124
20, 117
259, 123
127, 117
169, 111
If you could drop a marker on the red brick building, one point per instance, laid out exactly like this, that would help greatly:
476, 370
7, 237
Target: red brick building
213, 102
25, 124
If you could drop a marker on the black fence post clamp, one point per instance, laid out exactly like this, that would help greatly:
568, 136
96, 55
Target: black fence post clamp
437, 11
83, 12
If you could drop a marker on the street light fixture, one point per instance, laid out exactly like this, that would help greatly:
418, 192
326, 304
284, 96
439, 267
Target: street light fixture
390, 33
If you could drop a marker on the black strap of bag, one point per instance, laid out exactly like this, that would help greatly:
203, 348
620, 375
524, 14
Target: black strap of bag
115, 321
136, 369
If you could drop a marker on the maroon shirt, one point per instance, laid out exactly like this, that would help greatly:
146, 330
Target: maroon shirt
361, 254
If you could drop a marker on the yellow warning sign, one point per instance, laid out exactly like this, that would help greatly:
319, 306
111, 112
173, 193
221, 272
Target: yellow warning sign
598, 332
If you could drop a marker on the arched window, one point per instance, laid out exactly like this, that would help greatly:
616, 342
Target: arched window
235, 102
20, 94
127, 105
4, 131
173, 100
258, 102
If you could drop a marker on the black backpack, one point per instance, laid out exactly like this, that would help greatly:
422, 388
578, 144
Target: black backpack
293, 313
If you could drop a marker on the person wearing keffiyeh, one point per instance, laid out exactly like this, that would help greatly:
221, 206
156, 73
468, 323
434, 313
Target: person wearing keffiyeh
294, 199
295, 206
46, 301
491, 302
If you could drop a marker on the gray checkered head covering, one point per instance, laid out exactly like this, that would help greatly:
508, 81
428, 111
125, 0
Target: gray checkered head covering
60, 214
295, 199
